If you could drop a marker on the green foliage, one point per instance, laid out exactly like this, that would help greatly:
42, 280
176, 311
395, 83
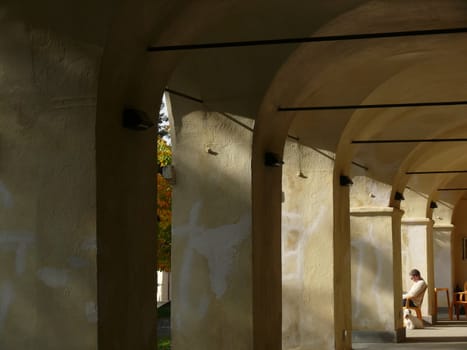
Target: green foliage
164, 198
164, 152
163, 344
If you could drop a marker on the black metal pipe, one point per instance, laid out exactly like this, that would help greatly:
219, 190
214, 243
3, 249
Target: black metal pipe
435, 172
360, 165
295, 138
181, 94
307, 39
373, 106
236, 121
409, 141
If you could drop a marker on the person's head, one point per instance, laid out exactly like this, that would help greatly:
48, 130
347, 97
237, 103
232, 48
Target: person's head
414, 275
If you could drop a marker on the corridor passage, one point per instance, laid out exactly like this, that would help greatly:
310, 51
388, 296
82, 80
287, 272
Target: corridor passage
445, 335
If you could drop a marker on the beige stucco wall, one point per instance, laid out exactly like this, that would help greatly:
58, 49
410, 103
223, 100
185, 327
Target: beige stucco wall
413, 245
372, 289
460, 232
367, 192
442, 250
211, 251
375, 237
375, 281
47, 189
307, 250
417, 243
442, 255
414, 204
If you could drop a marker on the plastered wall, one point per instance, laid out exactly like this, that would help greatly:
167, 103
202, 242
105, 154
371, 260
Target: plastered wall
372, 255
211, 251
460, 232
375, 259
372, 270
307, 250
47, 189
413, 245
366, 192
417, 242
442, 250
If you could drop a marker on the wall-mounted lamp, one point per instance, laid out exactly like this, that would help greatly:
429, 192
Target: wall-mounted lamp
433, 205
399, 196
272, 159
344, 180
211, 151
135, 119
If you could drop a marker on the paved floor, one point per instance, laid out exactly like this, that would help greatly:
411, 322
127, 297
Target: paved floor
426, 346
446, 335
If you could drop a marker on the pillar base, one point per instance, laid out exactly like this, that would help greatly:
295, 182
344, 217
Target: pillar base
396, 336
429, 319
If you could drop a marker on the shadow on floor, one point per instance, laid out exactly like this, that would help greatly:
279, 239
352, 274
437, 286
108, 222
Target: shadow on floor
442, 331
444, 335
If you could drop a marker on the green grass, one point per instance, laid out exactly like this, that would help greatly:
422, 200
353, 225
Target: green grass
163, 344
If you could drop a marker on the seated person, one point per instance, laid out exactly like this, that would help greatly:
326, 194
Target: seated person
417, 290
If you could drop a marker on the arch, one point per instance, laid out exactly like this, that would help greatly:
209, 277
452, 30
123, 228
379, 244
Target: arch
126, 223
131, 78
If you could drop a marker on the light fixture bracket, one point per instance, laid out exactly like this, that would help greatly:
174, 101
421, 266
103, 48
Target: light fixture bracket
135, 119
344, 180
272, 159
399, 196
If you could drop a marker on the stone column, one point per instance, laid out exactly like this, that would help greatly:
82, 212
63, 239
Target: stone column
417, 252
309, 281
376, 271
211, 286
442, 257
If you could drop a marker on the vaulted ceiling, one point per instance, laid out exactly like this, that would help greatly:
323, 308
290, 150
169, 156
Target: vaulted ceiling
367, 71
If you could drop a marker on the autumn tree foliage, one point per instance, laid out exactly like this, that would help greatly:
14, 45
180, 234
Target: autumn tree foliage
164, 204
164, 207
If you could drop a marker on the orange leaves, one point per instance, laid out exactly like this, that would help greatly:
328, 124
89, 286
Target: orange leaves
164, 202
164, 207
164, 219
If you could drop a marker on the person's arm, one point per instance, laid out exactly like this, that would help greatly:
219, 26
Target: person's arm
416, 289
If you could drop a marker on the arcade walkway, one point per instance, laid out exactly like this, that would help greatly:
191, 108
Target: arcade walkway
427, 346
446, 335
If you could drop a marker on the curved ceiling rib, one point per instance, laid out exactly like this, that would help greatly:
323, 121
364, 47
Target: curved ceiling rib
376, 71
431, 157
435, 79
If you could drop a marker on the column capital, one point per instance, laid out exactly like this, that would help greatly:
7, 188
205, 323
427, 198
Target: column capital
372, 211
443, 227
417, 221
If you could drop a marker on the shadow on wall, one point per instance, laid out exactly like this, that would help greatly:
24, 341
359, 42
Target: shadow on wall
371, 286
212, 159
301, 328
211, 247
307, 249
